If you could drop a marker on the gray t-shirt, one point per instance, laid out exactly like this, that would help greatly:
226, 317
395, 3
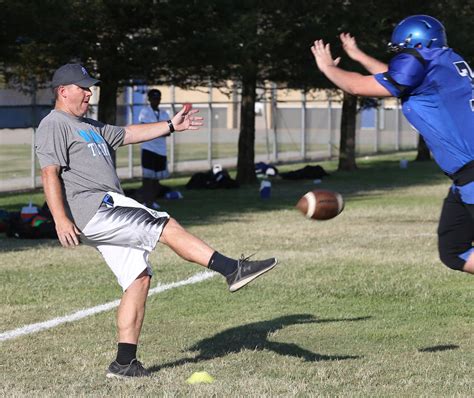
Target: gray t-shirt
82, 148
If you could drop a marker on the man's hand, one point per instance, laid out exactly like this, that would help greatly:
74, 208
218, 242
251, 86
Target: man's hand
323, 57
372, 65
185, 120
349, 45
67, 232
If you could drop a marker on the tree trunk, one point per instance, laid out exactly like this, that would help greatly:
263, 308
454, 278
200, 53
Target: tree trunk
347, 160
246, 156
108, 101
108, 105
423, 151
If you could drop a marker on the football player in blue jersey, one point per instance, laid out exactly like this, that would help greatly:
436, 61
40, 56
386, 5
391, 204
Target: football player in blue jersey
436, 88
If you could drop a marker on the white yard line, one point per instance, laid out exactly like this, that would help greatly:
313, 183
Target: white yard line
36, 327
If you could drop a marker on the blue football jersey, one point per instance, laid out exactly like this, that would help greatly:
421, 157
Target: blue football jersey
436, 89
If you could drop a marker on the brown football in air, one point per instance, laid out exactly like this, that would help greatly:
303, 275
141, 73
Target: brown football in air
321, 204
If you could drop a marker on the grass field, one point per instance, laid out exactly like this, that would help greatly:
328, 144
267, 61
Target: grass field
358, 306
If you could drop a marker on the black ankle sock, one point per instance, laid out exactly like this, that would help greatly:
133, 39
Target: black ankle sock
222, 264
125, 353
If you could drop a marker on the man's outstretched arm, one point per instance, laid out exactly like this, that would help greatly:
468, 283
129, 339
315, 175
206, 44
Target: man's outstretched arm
67, 231
351, 82
183, 120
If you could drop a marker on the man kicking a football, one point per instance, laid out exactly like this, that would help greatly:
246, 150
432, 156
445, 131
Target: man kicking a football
436, 87
87, 203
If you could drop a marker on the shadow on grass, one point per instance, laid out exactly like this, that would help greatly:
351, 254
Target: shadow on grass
254, 337
14, 244
438, 348
206, 207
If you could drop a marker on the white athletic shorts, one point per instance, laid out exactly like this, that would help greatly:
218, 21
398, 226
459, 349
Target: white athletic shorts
125, 232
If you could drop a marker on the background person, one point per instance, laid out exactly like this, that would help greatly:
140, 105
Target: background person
86, 200
436, 86
153, 153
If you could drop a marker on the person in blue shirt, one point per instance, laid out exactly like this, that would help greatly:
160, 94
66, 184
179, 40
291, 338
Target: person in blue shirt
436, 88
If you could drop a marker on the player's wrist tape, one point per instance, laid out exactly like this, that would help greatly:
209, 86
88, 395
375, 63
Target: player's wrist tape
170, 125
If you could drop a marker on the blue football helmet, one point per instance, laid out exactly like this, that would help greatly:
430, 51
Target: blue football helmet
416, 31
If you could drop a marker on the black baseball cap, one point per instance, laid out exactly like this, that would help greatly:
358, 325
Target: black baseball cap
73, 74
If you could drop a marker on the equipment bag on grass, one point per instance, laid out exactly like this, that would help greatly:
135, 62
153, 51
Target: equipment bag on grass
39, 225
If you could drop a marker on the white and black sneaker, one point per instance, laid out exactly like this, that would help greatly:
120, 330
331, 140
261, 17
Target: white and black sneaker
247, 271
133, 369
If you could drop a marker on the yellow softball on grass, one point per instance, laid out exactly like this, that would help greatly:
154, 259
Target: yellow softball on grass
200, 377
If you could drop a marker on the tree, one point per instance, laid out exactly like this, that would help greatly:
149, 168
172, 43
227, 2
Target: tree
98, 33
348, 127
369, 35
186, 43
191, 43
250, 43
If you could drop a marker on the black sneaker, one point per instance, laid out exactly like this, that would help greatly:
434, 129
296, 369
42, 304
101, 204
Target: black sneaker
247, 271
133, 369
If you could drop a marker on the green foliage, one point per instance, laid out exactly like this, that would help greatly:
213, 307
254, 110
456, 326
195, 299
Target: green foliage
189, 43
99, 34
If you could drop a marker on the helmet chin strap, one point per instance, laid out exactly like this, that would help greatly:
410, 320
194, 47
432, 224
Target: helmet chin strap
430, 43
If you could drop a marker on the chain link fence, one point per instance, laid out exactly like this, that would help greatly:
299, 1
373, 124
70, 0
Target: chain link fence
294, 130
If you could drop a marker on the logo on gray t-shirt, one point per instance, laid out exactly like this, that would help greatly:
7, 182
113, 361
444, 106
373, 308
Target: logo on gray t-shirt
95, 142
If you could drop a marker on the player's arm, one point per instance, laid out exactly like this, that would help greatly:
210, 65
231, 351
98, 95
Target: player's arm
183, 120
65, 228
351, 82
351, 48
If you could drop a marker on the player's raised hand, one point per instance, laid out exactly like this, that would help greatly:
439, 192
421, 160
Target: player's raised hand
185, 119
349, 44
322, 55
